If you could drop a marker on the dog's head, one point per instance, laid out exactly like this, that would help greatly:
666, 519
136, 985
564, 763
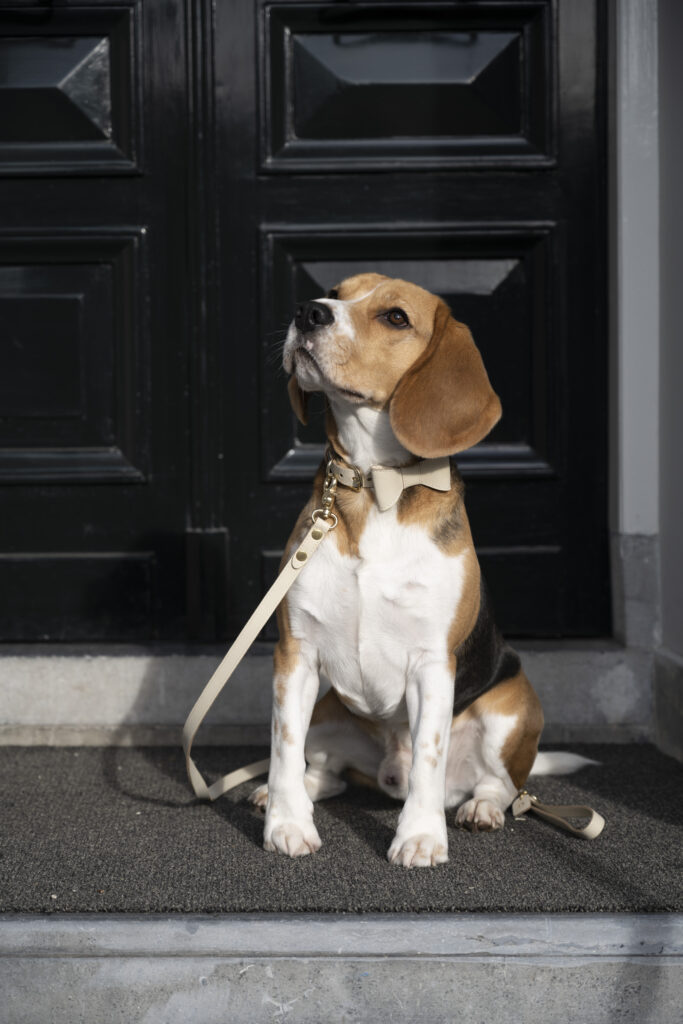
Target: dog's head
390, 344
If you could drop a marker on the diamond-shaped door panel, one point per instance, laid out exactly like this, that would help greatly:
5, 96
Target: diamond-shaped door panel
421, 85
55, 90
365, 87
67, 93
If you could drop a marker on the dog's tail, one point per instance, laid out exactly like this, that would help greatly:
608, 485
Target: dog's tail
559, 762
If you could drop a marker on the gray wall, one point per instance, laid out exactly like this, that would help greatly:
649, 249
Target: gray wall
634, 321
634, 258
670, 660
671, 322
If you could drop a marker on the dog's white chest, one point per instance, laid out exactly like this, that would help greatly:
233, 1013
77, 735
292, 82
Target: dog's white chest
377, 618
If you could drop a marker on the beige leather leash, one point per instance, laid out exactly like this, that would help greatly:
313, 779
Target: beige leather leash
558, 814
324, 520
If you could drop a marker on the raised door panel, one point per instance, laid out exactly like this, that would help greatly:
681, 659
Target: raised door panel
69, 90
432, 85
497, 278
74, 357
77, 596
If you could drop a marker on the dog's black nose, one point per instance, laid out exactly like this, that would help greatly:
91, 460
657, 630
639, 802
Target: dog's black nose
310, 315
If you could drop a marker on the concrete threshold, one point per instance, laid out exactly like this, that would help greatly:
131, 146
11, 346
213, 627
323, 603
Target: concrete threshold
593, 968
592, 691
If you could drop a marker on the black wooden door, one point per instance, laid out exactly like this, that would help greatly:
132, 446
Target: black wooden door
178, 176
461, 146
93, 320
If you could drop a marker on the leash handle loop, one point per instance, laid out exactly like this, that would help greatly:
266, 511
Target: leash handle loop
558, 814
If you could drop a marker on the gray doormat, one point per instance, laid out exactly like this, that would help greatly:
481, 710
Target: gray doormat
118, 830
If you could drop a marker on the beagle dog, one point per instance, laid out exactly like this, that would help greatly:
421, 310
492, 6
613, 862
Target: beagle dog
426, 701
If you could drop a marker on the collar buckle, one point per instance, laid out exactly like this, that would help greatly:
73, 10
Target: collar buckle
346, 474
357, 482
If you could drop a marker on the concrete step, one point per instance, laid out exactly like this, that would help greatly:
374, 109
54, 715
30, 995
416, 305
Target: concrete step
591, 691
539, 969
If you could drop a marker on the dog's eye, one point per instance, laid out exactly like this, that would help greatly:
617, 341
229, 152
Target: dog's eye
332, 294
396, 318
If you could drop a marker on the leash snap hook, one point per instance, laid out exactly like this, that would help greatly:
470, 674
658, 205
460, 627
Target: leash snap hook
522, 804
327, 500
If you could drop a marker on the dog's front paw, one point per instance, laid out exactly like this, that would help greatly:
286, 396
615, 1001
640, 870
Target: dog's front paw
480, 816
421, 851
421, 846
295, 840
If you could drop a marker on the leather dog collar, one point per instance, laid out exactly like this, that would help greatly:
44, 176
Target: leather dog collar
389, 482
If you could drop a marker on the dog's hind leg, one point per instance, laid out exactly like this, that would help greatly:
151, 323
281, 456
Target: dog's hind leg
493, 745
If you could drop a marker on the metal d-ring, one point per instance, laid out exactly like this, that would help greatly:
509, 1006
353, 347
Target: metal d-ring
318, 512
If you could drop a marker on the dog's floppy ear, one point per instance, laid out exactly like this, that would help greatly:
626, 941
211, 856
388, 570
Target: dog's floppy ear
444, 402
299, 400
